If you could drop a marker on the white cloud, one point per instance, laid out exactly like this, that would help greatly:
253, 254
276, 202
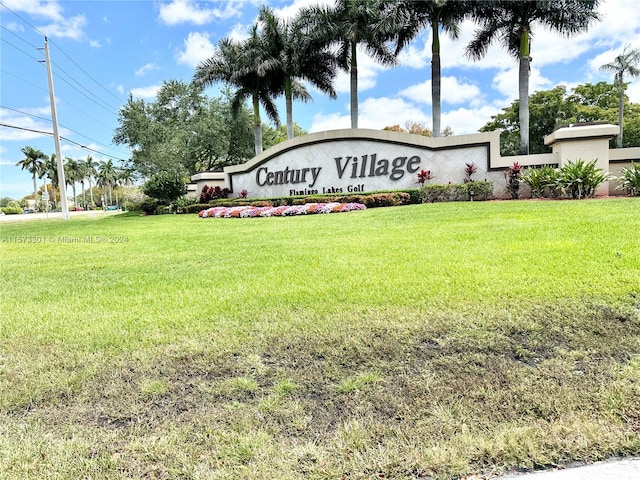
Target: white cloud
291, 10
506, 82
27, 124
188, 11
149, 67
453, 92
375, 113
44, 9
238, 32
145, 92
52, 11
72, 28
368, 70
468, 120
15, 27
198, 47
333, 121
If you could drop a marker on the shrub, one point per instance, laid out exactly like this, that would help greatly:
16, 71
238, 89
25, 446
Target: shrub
165, 186
630, 179
132, 198
452, 192
542, 181
512, 174
149, 206
182, 203
439, 193
478, 190
11, 210
212, 193
579, 179
163, 209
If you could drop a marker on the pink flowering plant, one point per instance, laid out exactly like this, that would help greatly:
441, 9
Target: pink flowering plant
281, 211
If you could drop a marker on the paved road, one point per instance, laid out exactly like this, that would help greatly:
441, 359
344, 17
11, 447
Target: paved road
617, 469
22, 217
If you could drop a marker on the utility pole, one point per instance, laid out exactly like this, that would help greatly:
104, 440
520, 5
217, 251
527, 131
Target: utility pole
62, 184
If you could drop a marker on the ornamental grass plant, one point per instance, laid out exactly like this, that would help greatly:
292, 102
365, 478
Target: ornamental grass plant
424, 341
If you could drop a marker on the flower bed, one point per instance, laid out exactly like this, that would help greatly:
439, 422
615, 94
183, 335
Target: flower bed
281, 211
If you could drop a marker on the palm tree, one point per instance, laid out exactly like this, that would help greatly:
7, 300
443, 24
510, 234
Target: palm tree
32, 162
511, 22
90, 167
628, 62
107, 177
350, 23
244, 66
73, 172
436, 14
298, 56
51, 171
123, 177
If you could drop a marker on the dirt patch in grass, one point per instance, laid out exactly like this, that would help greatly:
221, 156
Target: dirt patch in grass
435, 399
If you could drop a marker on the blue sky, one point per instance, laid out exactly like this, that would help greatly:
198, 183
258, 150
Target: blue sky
103, 50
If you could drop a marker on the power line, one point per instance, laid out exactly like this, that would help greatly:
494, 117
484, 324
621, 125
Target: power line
85, 72
63, 126
19, 49
73, 142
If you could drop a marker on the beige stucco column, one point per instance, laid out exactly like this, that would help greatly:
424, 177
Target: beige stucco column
586, 142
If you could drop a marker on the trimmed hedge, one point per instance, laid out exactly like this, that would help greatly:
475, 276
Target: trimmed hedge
11, 210
456, 192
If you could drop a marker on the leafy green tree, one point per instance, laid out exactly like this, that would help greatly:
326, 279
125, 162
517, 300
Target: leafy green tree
272, 136
511, 23
165, 186
297, 55
627, 63
437, 15
550, 109
182, 129
349, 24
33, 162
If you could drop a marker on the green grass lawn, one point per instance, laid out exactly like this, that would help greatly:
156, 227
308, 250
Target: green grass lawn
426, 341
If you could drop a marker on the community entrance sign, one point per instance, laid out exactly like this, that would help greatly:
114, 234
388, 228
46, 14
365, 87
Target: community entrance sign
356, 161
360, 161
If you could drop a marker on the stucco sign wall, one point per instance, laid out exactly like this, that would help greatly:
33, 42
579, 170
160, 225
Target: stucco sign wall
345, 161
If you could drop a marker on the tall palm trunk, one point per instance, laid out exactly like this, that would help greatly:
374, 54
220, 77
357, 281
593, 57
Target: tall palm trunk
35, 190
620, 112
91, 191
525, 65
257, 125
435, 81
288, 96
354, 86
84, 199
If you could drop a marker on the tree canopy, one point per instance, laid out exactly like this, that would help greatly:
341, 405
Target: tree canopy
183, 130
550, 109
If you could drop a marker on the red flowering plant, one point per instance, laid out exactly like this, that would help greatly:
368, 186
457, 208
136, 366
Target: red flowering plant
424, 176
512, 174
469, 169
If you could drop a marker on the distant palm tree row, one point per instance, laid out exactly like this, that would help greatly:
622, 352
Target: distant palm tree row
105, 175
311, 47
